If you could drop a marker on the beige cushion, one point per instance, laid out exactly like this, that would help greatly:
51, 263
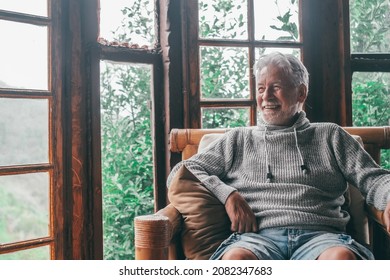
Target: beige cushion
206, 223
207, 139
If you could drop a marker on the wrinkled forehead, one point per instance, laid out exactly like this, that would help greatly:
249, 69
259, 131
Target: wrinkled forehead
273, 73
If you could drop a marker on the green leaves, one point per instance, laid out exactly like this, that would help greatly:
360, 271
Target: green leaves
138, 23
224, 72
286, 25
225, 117
127, 161
222, 19
370, 23
371, 103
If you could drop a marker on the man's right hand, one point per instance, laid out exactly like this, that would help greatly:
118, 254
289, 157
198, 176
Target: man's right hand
240, 214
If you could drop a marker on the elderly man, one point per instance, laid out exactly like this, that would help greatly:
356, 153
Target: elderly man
282, 182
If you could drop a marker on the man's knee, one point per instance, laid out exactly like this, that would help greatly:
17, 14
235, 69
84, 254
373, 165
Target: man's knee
239, 254
337, 253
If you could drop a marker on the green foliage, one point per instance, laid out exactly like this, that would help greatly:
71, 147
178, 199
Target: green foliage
286, 24
369, 21
127, 162
24, 213
127, 157
224, 73
371, 103
222, 19
138, 23
213, 118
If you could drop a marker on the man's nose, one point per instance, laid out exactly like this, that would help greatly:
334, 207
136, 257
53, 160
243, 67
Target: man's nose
268, 93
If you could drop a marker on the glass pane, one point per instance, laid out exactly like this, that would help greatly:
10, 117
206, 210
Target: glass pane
371, 103
33, 7
24, 212
225, 117
40, 253
130, 21
277, 20
24, 131
223, 19
24, 59
262, 51
224, 72
371, 99
127, 154
369, 22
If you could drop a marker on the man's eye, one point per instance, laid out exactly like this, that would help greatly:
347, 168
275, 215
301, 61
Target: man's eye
261, 89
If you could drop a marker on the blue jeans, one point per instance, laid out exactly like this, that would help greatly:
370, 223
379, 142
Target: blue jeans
290, 244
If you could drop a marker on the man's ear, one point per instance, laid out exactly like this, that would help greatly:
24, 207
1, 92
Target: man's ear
302, 93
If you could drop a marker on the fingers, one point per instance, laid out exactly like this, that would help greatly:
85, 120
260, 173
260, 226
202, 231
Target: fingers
250, 223
255, 227
240, 214
246, 225
234, 226
243, 224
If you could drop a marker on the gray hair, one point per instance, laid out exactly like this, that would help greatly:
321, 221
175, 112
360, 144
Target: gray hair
292, 66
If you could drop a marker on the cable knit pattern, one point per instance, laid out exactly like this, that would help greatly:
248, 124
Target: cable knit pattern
237, 162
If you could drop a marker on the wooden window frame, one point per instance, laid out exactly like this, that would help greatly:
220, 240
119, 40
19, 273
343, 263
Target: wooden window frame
79, 231
193, 101
53, 96
100, 52
325, 54
96, 52
370, 62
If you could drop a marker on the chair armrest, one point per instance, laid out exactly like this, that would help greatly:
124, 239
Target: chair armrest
174, 217
153, 233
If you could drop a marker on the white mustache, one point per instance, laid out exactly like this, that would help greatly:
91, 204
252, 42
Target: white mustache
270, 105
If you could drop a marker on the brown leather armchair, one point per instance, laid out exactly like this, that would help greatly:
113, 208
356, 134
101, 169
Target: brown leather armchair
160, 235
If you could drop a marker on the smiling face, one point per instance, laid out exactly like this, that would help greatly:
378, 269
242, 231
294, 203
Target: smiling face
278, 99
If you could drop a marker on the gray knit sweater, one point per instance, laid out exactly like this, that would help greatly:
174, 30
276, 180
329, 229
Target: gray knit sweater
239, 161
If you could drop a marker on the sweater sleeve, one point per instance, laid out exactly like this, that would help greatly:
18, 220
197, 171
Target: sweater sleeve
361, 170
211, 165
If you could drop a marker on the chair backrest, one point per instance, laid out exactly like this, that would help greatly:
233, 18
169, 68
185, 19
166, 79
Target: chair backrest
186, 140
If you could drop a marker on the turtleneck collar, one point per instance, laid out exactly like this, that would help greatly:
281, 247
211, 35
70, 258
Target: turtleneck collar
300, 123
